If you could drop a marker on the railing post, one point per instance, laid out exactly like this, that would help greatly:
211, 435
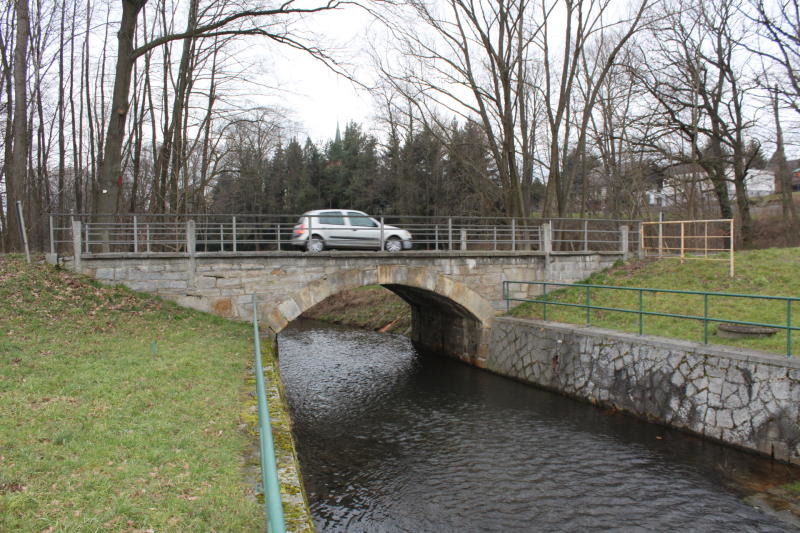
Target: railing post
135, 235
436, 237
788, 328
233, 228
544, 303
585, 235
76, 244
463, 239
641, 312
221, 237
588, 308
86, 237
494, 238
705, 318
380, 244
449, 234
191, 238
547, 238
623, 241
660, 234
147, 236
278, 235
513, 235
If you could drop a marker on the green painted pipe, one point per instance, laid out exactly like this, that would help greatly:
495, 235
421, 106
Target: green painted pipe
269, 470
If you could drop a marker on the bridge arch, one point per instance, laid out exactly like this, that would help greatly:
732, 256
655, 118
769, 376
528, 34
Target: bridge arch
447, 315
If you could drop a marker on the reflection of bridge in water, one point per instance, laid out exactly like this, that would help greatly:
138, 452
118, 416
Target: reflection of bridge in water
454, 293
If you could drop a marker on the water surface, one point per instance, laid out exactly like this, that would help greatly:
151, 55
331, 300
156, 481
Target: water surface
391, 439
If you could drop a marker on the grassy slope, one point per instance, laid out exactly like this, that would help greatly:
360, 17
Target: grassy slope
766, 272
99, 433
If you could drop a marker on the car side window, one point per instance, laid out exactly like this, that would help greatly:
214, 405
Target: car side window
361, 220
333, 218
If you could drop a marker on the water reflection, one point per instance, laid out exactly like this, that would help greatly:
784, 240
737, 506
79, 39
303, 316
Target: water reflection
393, 440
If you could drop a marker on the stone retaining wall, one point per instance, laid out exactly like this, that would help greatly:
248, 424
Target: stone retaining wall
747, 399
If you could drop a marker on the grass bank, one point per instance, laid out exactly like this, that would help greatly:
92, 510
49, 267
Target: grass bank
774, 272
122, 412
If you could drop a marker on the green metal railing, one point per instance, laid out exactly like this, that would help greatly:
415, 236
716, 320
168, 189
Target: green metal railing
642, 312
273, 506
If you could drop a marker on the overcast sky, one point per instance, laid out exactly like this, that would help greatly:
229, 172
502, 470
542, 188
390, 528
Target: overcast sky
317, 97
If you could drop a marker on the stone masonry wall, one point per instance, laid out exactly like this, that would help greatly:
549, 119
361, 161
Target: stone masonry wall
222, 283
746, 399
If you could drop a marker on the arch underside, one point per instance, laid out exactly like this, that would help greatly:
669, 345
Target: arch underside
447, 316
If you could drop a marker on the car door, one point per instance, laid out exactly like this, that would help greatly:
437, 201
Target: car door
334, 229
365, 232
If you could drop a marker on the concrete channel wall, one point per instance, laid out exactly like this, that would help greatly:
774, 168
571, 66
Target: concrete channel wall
746, 399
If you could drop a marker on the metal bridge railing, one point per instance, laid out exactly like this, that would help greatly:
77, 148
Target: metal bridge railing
513, 293
147, 233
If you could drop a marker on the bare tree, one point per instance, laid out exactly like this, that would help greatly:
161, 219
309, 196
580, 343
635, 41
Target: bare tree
18, 169
779, 23
782, 170
241, 21
693, 75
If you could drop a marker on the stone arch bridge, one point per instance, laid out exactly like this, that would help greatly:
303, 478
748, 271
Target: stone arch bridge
454, 296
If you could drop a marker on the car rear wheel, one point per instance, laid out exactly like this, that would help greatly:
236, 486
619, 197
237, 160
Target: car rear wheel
315, 244
393, 244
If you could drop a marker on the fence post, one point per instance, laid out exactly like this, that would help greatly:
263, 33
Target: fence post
683, 234
380, 244
277, 235
731, 245
147, 237
623, 241
436, 237
77, 234
660, 234
52, 237
135, 235
463, 239
494, 237
86, 238
233, 225
547, 238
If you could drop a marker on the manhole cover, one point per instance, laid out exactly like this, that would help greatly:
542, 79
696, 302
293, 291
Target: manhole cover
739, 331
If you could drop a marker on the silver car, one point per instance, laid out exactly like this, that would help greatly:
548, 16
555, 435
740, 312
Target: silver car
344, 228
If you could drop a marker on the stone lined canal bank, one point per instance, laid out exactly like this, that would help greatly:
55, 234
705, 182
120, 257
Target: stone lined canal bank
743, 398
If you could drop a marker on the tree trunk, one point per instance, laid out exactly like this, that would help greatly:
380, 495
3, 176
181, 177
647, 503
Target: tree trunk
790, 219
110, 172
17, 177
